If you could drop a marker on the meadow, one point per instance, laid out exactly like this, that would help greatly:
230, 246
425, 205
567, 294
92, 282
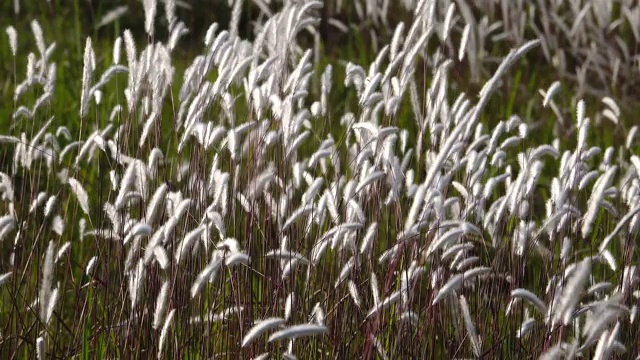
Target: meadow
309, 179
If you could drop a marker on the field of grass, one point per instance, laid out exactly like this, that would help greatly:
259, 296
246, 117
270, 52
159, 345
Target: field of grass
319, 179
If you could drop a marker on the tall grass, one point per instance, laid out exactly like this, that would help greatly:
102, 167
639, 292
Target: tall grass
272, 201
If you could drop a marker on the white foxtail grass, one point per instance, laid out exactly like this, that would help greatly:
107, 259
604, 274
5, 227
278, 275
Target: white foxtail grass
297, 331
260, 328
254, 184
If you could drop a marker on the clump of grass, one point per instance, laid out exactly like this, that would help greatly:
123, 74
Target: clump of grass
231, 210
